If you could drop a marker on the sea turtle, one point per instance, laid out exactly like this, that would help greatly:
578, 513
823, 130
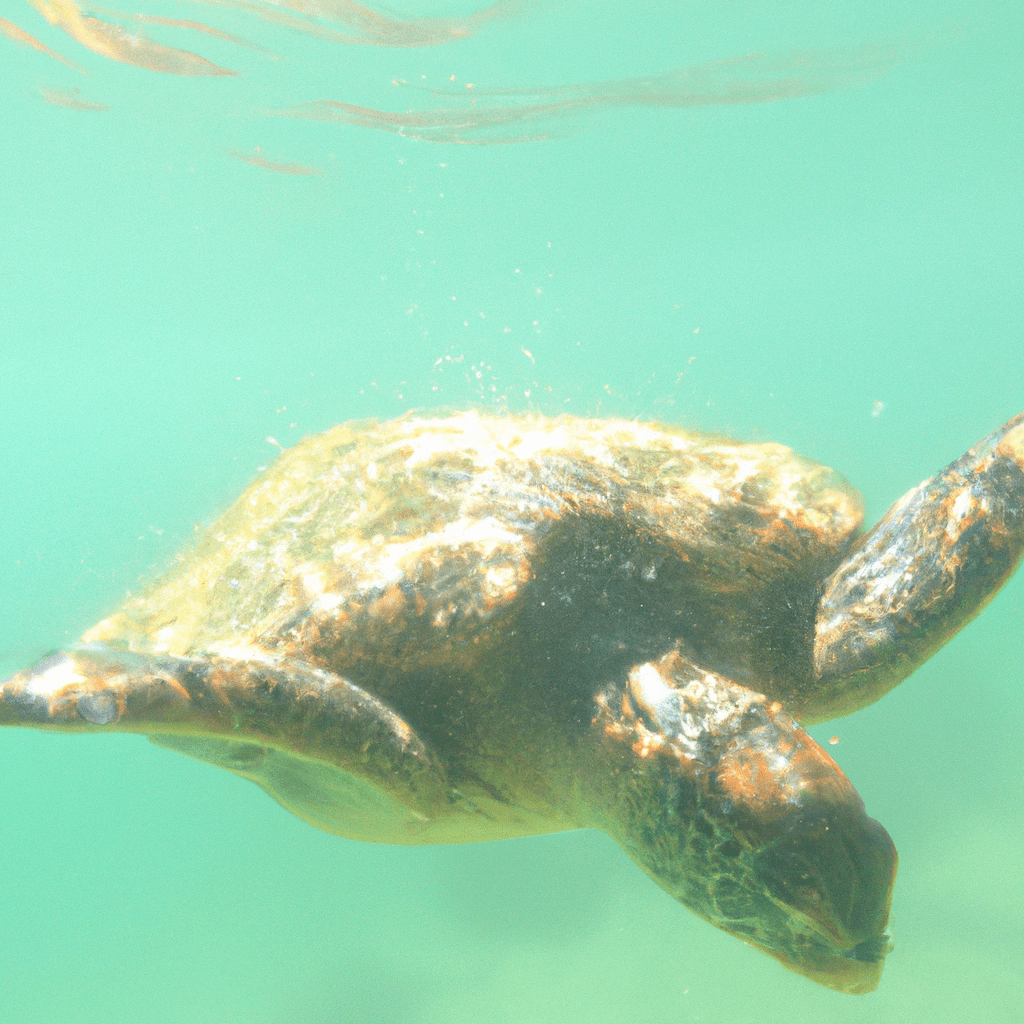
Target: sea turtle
468, 627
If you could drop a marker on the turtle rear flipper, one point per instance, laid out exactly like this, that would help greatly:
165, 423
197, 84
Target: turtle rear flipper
324, 748
321, 794
934, 561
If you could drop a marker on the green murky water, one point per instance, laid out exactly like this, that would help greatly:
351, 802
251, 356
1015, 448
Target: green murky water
839, 272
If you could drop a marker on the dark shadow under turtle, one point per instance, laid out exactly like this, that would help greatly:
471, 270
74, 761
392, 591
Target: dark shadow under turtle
464, 628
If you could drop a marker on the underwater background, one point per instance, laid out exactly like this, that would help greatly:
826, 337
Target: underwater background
188, 283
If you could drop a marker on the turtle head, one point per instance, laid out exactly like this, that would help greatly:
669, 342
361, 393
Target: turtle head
736, 812
823, 889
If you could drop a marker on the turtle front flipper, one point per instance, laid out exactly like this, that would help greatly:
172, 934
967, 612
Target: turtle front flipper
736, 812
324, 748
931, 564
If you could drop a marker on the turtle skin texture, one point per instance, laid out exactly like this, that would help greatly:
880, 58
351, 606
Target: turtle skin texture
470, 627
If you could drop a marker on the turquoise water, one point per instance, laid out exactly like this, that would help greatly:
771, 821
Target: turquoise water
839, 272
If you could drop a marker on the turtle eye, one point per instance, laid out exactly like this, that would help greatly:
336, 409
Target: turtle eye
730, 848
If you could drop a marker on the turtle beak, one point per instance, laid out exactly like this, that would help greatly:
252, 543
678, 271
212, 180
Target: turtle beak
833, 879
